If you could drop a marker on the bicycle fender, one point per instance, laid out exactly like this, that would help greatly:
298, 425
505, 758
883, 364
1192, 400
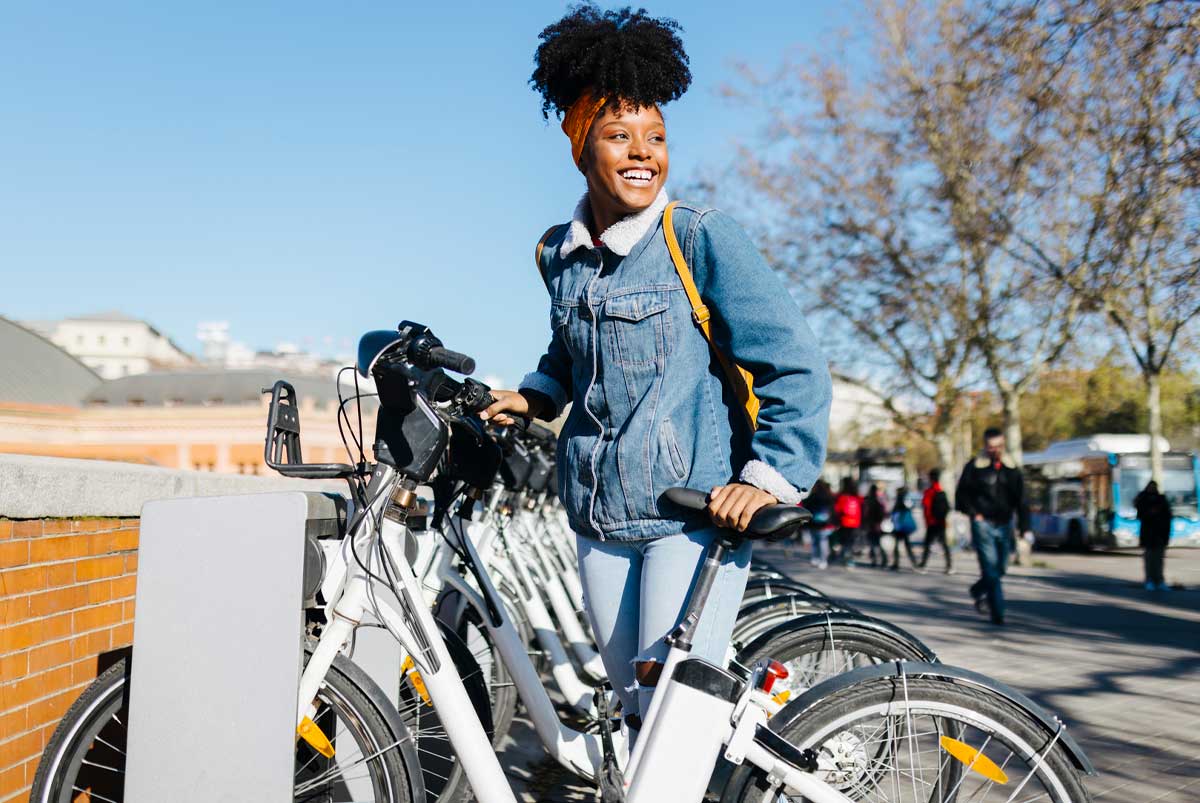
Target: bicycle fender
408, 745
786, 584
771, 602
1051, 724
821, 620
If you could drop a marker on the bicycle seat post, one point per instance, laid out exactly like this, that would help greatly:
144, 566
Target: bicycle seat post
681, 637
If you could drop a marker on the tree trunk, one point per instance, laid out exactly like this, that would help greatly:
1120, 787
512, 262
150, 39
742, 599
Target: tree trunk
1012, 426
1154, 404
944, 441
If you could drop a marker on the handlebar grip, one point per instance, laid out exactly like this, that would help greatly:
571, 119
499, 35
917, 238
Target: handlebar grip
687, 498
451, 360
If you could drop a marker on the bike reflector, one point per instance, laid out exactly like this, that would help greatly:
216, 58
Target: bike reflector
414, 677
775, 671
975, 760
311, 732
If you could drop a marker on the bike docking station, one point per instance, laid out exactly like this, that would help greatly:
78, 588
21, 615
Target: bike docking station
218, 644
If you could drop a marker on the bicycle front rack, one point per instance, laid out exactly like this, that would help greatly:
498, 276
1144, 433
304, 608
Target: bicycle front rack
282, 450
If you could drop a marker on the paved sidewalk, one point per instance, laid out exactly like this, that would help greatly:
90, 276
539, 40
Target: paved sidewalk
1120, 665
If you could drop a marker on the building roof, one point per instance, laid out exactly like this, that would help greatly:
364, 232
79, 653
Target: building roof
35, 371
1094, 446
111, 316
207, 386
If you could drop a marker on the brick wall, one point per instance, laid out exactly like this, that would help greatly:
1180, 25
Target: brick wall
66, 599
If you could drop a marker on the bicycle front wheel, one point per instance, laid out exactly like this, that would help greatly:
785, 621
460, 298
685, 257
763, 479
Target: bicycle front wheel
922, 740
85, 758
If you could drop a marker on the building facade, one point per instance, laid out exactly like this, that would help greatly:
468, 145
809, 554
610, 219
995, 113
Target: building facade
115, 345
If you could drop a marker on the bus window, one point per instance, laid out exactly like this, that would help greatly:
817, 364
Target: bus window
1178, 485
1068, 499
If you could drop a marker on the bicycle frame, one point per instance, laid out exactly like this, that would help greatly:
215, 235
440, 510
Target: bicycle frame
403, 610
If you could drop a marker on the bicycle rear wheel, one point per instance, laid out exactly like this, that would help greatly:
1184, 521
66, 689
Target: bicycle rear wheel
922, 740
821, 648
85, 758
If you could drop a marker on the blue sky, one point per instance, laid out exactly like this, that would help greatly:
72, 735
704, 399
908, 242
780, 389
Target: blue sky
311, 171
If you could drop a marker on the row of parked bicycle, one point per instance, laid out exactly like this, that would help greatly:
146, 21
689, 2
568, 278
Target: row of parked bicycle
816, 701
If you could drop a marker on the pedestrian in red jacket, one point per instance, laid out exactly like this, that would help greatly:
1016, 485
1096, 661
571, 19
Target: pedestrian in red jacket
848, 508
936, 505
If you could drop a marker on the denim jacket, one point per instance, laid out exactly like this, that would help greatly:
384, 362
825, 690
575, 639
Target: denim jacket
651, 405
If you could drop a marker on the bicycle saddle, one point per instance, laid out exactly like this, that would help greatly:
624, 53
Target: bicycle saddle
773, 521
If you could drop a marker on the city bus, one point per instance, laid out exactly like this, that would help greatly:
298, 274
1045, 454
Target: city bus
1081, 491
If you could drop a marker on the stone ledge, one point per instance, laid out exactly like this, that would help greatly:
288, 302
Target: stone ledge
54, 487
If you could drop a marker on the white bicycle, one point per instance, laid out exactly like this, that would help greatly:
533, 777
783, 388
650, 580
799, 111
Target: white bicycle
903, 732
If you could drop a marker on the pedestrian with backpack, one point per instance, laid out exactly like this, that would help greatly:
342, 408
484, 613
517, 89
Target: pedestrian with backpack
904, 524
936, 506
684, 358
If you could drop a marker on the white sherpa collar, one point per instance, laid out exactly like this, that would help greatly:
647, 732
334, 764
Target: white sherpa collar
1006, 460
621, 236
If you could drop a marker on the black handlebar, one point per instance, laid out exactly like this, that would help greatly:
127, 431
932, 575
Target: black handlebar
451, 360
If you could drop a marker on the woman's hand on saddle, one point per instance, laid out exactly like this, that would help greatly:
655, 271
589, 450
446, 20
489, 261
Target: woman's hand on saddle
733, 505
509, 401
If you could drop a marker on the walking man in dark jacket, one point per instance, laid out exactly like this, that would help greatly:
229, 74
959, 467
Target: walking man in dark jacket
991, 491
1154, 516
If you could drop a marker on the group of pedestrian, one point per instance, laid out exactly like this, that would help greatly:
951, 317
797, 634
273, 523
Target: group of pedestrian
991, 493
840, 521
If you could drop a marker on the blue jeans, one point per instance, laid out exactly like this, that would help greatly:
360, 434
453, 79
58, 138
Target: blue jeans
635, 593
991, 542
820, 544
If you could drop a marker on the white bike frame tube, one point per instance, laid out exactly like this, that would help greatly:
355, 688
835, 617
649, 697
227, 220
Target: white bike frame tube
574, 587
794, 780
568, 619
577, 693
579, 752
569, 622
445, 687
674, 656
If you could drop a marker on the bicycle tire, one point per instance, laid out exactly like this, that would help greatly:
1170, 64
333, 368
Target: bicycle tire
759, 588
105, 700
955, 710
759, 617
803, 651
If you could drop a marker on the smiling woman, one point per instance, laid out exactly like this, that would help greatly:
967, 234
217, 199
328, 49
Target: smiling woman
639, 287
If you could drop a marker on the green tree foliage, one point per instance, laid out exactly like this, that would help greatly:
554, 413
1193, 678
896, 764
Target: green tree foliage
1109, 397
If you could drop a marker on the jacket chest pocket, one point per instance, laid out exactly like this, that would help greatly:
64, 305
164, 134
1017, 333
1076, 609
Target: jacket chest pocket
639, 326
560, 326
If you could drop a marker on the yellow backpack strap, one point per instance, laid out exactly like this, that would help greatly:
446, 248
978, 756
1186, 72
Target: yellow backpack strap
537, 254
740, 379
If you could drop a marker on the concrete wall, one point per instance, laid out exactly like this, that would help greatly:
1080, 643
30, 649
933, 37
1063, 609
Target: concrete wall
68, 568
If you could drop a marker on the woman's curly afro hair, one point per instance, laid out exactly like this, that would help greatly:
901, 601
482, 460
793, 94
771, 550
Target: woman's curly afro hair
624, 55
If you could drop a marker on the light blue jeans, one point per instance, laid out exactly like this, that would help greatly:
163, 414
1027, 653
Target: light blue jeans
635, 593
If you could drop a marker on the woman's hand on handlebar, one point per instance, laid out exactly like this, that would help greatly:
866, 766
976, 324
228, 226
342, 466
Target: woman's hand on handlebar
509, 401
733, 505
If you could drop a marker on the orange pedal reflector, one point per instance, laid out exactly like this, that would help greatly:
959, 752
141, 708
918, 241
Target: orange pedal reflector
311, 732
975, 761
414, 677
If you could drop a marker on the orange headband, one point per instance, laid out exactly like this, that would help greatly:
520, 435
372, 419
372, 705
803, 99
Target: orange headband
578, 120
